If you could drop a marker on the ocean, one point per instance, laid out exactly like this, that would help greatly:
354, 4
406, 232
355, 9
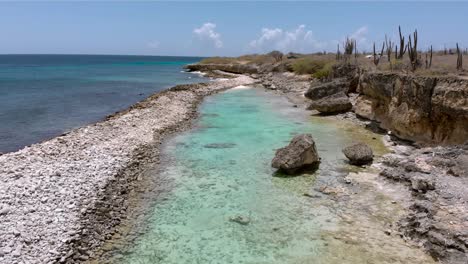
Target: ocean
42, 96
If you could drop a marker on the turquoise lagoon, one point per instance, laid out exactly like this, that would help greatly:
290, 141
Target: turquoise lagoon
221, 169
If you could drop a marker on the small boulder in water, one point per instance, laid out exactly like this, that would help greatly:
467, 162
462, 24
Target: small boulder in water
240, 219
300, 154
359, 154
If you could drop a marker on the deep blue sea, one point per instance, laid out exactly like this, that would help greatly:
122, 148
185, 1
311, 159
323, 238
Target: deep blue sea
42, 96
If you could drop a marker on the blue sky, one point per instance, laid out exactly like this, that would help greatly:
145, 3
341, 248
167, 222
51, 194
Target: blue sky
220, 28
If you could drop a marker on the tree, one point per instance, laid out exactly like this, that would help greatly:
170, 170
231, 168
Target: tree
277, 55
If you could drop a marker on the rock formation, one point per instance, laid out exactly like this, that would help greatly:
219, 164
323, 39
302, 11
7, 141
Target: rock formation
231, 68
330, 97
337, 103
429, 109
298, 155
359, 154
316, 92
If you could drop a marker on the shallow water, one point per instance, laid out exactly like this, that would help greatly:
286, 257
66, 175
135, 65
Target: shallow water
221, 169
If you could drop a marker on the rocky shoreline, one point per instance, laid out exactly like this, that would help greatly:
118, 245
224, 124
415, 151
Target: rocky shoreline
426, 122
55, 209
436, 177
60, 199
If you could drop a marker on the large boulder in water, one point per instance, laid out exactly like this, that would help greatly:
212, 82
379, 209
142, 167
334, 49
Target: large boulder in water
359, 154
337, 103
300, 154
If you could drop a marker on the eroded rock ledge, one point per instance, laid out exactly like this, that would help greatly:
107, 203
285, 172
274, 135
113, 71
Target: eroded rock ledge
424, 109
62, 197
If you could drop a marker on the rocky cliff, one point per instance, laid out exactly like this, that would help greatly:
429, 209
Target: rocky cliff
428, 109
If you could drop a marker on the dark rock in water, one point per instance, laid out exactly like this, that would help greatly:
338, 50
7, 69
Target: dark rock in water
337, 103
359, 154
301, 153
317, 92
220, 145
240, 219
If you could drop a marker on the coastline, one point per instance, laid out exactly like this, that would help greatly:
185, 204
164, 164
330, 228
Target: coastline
59, 196
136, 134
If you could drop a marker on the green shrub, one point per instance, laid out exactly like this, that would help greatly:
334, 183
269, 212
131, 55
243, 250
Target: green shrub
308, 65
324, 72
397, 65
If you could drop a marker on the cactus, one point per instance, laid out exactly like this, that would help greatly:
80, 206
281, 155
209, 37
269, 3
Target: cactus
377, 59
459, 59
355, 51
389, 44
348, 48
338, 53
402, 45
413, 50
429, 61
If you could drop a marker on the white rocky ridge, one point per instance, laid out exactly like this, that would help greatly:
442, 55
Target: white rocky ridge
46, 187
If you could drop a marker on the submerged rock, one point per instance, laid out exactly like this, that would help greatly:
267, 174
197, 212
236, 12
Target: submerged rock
359, 154
337, 103
220, 145
240, 219
301, 153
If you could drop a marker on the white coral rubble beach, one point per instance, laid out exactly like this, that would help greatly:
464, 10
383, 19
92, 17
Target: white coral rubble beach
45, 188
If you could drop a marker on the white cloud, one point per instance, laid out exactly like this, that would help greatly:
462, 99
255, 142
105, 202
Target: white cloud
297, 40
360, 35
207, 32
153, 44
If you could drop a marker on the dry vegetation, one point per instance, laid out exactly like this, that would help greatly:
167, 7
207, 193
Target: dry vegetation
403, 55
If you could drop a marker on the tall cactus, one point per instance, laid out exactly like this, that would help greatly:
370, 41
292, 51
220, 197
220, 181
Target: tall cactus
402, 45
459, 59
355, 51
348, 48
338, 53
429, 61
377, 59
389, 44
413, 51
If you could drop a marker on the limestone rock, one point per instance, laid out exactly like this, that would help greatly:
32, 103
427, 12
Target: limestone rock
301, 153
422, 184
316, 92
418, 108
359, 154
337, 103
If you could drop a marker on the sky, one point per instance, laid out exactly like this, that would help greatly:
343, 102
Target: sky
221, 28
